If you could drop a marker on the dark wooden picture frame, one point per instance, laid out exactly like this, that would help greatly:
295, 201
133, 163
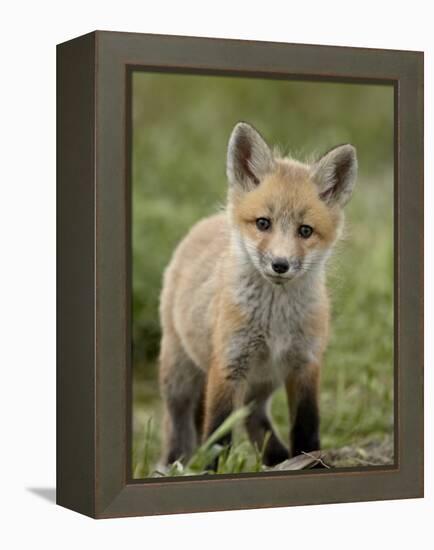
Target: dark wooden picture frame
94, 262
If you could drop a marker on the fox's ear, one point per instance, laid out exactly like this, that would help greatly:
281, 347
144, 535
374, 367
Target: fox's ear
335, 174
249, 158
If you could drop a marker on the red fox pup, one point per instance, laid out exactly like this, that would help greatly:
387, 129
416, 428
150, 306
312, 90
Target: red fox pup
244, 307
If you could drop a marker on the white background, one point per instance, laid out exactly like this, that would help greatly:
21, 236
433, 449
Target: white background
29, 32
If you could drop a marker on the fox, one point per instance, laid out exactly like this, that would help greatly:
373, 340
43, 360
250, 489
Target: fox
244, 306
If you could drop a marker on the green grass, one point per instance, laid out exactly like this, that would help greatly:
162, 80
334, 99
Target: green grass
181, 126
240, 457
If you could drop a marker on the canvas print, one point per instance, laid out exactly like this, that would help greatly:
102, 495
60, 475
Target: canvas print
262, 275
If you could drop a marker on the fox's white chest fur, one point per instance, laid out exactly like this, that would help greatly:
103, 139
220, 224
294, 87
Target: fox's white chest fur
277, 318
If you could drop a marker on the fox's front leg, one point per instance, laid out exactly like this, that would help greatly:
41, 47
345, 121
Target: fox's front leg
260, 429
235, 346
220, 399
302, 387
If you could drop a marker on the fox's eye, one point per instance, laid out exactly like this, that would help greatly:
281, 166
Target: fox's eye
305, 231
263, 224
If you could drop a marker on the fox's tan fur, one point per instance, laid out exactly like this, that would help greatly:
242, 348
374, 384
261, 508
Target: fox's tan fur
232, 328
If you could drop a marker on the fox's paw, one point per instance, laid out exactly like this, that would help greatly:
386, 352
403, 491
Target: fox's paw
275, 453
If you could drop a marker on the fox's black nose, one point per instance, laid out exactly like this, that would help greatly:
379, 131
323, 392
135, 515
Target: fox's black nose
280, 265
